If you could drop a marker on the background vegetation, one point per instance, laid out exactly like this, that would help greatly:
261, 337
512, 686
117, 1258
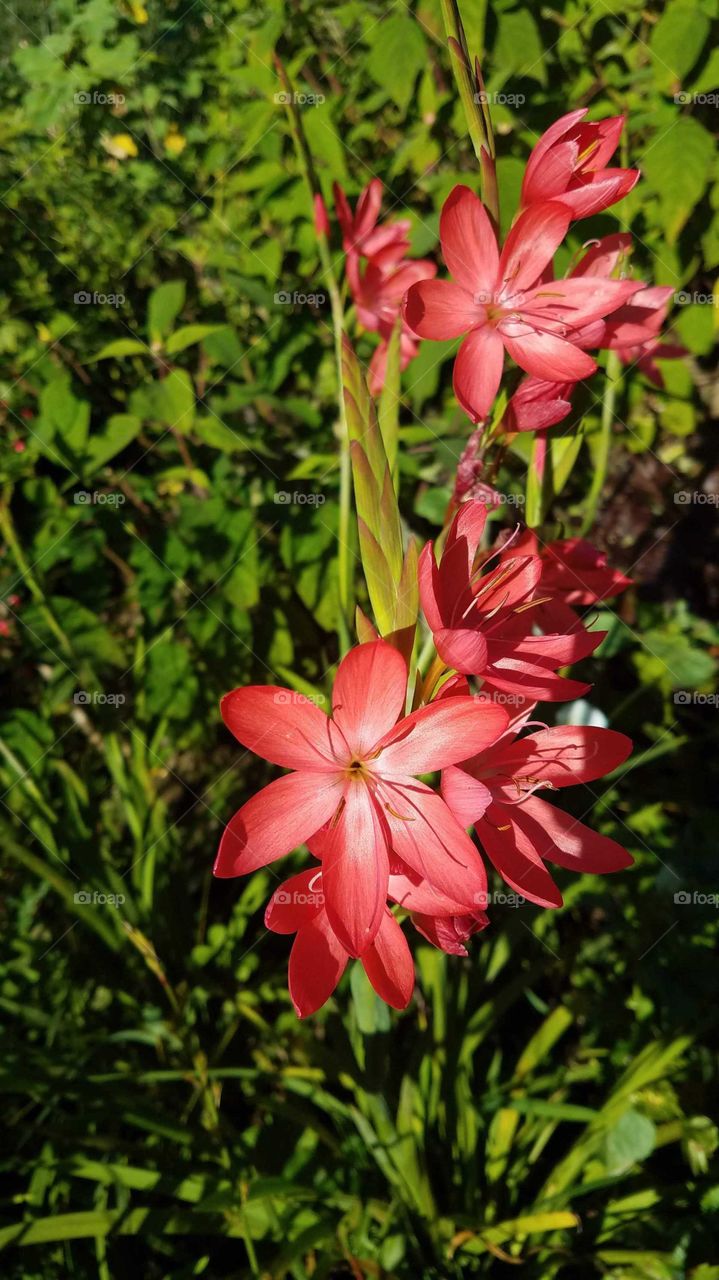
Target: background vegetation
546, 1101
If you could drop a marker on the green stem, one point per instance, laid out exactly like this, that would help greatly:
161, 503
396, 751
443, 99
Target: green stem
345, 551
601, 459
7, 528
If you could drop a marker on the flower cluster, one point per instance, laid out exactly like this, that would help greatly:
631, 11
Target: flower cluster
355, 795
385, 790
379, 274
509, 302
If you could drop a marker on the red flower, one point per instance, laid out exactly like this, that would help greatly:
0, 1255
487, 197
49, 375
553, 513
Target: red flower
496, 793
537, 403
444, 923
634, 332
482, 621
318, 959
378, 287
567, 165
503, 302
573, 573
360, 233
355, 772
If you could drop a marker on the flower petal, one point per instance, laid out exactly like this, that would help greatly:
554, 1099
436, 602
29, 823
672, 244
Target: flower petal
463, 648
280, 725
568, 842
317, 962
440, 734
439, 309
600, 191
295, 902
509, 840
430, 840
279, 818
546, 356
369, 693
469, 245
355, 871
388, 964
564, 755
467, 797
478, 371
531, 245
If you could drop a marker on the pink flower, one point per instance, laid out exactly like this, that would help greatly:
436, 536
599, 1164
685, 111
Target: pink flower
355, 771
574, 573
482, 620
634, 332
538, 404
360, 233
503, 302
518, 831
378, 290
318, 959
567, 164
444, 923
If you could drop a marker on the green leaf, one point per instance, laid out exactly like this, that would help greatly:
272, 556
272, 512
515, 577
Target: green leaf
121, 428
676, 42
398, 54
165, 304
518, 50
173, 400
677, 166
121, 347
189, 335
632, 1139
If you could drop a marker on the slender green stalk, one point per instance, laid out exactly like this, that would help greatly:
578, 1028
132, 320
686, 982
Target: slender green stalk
475, 102
7, 528
345, 551
601, 459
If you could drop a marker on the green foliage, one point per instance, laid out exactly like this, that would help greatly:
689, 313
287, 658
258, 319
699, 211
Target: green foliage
168, 530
